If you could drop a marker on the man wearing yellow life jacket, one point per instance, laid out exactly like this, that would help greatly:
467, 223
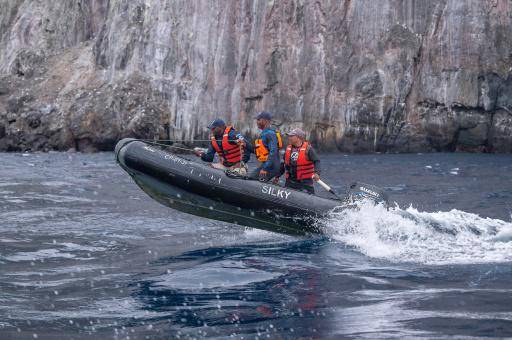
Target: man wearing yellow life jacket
229, 145
301, 163
266, 149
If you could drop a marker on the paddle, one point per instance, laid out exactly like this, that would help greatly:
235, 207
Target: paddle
328, 188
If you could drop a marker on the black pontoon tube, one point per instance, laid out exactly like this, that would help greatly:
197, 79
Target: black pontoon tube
204, 191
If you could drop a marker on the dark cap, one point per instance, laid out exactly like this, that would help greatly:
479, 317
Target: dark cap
264, 115
216, 123
297, 132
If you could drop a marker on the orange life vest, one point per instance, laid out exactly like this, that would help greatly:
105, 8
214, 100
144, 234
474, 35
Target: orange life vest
261, 150
229, 153
305, 168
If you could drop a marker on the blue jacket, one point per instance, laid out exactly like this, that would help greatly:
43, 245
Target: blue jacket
269, 139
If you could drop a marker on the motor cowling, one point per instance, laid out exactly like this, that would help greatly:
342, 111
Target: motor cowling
359, 191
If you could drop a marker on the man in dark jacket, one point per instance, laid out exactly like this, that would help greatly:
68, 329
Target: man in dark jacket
229, 145
301, 163
266, 149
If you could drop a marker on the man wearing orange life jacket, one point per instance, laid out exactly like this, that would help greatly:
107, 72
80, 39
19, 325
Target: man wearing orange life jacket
301, 163
229, 145
266, 149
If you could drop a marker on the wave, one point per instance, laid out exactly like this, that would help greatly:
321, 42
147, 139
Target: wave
434, 238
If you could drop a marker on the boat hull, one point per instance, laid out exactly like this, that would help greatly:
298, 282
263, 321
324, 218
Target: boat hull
201, 190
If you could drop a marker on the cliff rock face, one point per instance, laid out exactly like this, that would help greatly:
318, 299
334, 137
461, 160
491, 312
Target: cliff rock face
359, 76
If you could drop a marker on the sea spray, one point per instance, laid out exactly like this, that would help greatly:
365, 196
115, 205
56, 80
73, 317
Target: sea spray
398, 235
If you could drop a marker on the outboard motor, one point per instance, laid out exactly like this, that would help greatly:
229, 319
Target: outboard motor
358, 191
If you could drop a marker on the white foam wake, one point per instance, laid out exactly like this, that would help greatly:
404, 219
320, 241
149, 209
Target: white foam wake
452, 237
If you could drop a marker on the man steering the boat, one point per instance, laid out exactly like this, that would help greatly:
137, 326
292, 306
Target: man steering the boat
266, 148
301, 163
229, 145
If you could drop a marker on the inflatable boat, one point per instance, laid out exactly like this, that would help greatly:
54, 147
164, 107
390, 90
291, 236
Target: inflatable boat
201, 190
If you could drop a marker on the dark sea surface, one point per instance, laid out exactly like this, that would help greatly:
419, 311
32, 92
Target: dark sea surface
85, 254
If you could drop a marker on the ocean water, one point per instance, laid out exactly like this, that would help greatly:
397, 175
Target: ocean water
85, 254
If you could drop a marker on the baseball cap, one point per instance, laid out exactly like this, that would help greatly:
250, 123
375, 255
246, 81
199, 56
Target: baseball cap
216, 123
297, 132
264, 115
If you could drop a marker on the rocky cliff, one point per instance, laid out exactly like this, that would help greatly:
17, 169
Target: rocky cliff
360, 76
